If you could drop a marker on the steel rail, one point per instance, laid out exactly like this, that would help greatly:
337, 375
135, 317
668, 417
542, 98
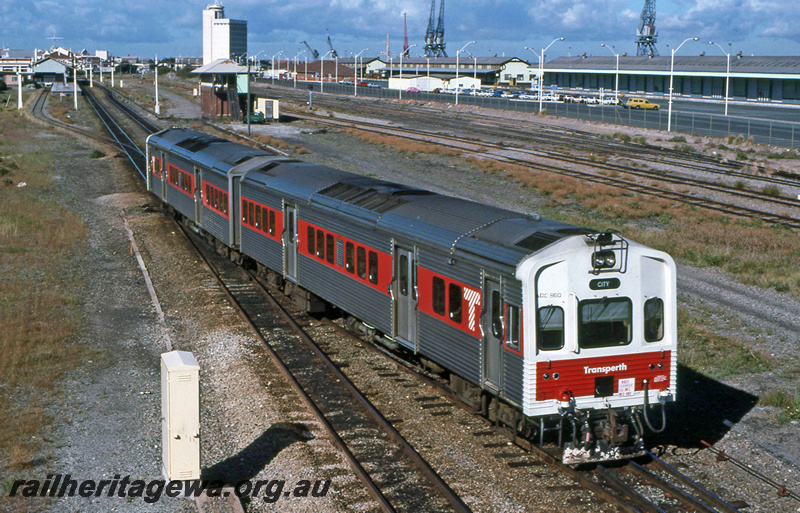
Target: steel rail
706, 496
721, 456
422, 465
577, 476
360, 472
793, 222
667, 487
116, 132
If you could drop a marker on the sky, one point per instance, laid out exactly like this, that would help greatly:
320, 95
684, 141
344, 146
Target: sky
149, 28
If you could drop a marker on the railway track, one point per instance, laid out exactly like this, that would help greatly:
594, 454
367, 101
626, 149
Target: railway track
571, 140
397, 477
522, 156
615, 486
650, 485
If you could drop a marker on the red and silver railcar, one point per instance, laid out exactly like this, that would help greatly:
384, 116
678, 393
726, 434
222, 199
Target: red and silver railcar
563, 333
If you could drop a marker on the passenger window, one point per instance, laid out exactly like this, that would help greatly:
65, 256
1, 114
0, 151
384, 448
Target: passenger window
320, 244
244, 212
550, 328
438, 295
361, 262
329, 251
373, 267
258, 216
454, 306
513, 334
310, 240
403, 275
349, 257
497, 315
250, 211
653, 319
272, 222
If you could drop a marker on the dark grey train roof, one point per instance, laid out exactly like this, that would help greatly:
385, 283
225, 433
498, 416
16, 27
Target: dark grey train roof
420, 215
205, 150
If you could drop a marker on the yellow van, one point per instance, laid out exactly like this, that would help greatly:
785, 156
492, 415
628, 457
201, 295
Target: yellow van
639, 103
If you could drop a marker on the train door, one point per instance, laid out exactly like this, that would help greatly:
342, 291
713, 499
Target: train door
198, 196
163, 175
405, 297
493, 334
290, 242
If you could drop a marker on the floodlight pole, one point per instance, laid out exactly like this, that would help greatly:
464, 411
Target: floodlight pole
457, 69
541, 74
671, 77
727, 73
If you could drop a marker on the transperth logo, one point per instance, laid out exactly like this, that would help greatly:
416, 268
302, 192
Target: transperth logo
606, 369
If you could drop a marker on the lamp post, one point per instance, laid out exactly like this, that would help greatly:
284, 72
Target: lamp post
295, 67
388, 73
400, 90
336, 73
616, 93
727, 73
537, 58
158, 107
321, 67
355, 71
457, 69
272, 71
541, 71
671, 77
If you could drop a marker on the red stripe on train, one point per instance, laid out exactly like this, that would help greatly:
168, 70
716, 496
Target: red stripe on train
580, 375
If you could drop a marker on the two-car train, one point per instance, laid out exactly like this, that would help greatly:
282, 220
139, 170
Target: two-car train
564, 333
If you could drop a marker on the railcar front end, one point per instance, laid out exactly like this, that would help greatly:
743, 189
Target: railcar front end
603, 321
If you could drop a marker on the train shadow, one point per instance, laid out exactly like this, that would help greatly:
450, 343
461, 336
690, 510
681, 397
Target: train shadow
248, 462
702, 406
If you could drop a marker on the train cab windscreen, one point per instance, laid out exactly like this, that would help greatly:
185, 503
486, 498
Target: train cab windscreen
604, 322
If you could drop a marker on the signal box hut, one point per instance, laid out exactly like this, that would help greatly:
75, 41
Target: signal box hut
223, 89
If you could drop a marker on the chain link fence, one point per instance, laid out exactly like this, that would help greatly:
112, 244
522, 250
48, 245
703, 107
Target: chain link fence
765, 131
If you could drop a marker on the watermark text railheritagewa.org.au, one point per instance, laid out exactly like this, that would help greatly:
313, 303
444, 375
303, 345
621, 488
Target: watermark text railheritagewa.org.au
61, 485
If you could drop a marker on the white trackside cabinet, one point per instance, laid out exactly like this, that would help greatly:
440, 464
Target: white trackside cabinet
180, 415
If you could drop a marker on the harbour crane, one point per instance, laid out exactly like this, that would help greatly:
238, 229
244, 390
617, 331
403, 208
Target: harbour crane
646, 34
434, 37
313, 52
334, 54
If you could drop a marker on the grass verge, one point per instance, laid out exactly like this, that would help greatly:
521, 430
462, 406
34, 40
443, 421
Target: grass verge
39, 310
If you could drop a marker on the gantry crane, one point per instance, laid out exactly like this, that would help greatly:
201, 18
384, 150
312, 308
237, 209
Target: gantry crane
434, 37
646, 34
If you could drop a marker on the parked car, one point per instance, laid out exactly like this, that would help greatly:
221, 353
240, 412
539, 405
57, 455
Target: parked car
257, 117
640, 103
412, 90
370, 84
362, 84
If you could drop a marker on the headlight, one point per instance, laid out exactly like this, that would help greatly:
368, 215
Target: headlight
604, 260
